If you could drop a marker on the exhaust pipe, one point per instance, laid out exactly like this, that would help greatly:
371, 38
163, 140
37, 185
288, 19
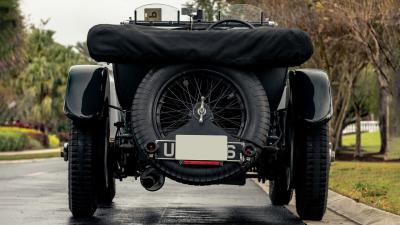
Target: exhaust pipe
151, 179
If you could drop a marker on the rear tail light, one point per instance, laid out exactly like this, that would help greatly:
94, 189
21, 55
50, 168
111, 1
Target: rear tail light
249, 151
151, 147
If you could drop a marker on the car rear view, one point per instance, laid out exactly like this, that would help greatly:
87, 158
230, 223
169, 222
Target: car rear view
200, 102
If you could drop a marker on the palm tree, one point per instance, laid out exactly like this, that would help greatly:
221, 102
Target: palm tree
42, 82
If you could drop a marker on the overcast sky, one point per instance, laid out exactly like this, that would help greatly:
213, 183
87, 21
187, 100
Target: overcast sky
71, 19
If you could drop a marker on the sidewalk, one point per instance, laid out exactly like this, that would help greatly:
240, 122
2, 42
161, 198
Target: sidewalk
27, 152
347, 207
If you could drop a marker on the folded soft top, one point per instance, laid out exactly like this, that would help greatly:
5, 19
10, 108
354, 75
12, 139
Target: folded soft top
263, 46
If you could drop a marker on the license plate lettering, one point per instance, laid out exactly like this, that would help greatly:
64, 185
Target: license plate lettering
169, 149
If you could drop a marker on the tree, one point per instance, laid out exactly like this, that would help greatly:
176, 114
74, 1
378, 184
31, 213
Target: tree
41, 84
334, 51
396, 109
11, 37
12, 58
210, 7
363, 101
364, 32
374, 25
7, 104
82, 48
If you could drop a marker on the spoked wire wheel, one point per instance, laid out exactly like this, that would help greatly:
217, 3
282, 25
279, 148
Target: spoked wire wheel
169, 98
180, 99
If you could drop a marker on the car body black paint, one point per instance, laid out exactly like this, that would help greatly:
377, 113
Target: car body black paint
311, 95
311, 90
128, 77
86, 93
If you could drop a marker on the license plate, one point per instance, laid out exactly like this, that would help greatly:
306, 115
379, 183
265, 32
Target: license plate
199, 147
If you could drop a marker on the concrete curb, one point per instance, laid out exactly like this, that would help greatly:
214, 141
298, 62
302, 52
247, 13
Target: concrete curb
28, 160
352, 210
27, 152
360, 212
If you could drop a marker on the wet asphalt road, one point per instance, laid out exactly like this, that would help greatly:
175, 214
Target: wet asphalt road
36, 193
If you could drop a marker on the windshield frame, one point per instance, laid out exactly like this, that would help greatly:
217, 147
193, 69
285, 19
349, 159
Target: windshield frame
233, 12
194, 23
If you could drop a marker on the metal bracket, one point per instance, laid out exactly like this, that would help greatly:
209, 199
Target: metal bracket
64, 153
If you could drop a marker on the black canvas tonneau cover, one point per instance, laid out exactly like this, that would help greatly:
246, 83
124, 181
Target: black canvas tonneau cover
263, 46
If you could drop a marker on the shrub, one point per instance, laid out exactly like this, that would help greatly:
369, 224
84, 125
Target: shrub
64, 136
41, 137
12, 140
35, 134
54, 142
33, 144
19, 129
17, 138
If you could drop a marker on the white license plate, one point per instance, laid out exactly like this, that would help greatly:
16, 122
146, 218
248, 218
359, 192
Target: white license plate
201, 147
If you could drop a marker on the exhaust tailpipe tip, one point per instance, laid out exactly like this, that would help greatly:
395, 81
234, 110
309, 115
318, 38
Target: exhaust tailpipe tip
151, 179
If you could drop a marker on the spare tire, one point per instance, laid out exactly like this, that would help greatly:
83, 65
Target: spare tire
166, 97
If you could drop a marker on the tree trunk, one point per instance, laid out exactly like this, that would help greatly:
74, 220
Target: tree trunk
340, 117
397, 104
357, 148
383, 119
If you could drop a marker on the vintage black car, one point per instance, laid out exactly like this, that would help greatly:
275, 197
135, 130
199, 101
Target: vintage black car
200, 102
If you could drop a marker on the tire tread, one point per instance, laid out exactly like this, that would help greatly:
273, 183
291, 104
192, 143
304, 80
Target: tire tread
312, 185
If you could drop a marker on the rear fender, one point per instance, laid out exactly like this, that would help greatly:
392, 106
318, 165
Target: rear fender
86, 93
311, 93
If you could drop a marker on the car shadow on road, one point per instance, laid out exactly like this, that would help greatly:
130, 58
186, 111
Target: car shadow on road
190, 215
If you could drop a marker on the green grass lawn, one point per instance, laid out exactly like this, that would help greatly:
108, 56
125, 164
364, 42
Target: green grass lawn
375, 184
370, 143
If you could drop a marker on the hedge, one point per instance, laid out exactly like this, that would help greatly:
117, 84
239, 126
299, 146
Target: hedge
54, 142
12, 140
16, 138
19, 129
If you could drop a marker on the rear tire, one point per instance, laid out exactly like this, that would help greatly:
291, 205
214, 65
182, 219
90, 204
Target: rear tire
278, 190
82, 170
312, 171
86, 171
